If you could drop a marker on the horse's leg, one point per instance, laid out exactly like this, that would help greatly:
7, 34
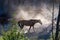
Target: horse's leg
29, 29
33, 29
21, 25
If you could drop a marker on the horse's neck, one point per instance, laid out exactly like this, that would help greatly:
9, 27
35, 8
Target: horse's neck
36, 22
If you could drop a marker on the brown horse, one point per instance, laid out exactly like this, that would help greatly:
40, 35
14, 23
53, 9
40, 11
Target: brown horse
30, 23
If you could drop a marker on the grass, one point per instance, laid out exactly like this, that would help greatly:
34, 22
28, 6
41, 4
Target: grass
1, 38
13, 33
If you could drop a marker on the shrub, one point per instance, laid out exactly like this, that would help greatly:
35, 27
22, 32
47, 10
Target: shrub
14, 33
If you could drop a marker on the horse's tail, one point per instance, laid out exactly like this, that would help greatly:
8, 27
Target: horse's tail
20, 25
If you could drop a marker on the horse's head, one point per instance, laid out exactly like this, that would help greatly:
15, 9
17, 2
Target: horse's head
36, 21
39, 21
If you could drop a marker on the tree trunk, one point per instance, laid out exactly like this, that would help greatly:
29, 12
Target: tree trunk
53, 19
57, 26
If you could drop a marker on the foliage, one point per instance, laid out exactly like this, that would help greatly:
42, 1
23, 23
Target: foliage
1, 38
14, 33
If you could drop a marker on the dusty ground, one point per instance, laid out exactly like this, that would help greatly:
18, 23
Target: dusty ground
41, 32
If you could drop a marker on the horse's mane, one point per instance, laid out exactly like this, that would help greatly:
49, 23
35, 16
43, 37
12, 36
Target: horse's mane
34, 20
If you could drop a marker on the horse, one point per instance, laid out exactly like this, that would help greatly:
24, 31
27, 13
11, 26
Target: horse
30, 23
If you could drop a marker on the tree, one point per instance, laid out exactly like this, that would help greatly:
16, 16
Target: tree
57, 26
53, 19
